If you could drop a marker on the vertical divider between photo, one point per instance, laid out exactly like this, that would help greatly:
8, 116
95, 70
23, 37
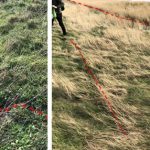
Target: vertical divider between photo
49, 74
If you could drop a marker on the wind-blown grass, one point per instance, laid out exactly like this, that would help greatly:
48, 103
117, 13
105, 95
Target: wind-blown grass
118, 54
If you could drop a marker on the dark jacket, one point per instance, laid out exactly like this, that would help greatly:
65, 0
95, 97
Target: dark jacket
59, 4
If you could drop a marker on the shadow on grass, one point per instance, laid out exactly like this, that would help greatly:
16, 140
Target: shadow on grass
67, 136
6, 29
23, 46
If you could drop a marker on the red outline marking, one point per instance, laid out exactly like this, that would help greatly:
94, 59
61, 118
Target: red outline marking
146, 23
108, 103
24, 106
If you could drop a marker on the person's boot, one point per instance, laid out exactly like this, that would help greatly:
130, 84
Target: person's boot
64, 33
64, 30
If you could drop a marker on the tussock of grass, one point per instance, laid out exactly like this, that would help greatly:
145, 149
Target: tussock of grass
117, 52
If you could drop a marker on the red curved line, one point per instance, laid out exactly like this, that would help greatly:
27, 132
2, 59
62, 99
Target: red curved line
37, 111
112, 14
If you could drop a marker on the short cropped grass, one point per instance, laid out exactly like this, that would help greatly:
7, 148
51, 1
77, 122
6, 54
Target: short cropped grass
23, 72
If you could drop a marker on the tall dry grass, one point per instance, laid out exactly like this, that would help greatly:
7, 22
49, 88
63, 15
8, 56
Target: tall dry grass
123, 7
118, 53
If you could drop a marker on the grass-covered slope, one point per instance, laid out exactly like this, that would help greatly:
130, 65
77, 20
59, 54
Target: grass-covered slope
23, 72
118, 54
23, 47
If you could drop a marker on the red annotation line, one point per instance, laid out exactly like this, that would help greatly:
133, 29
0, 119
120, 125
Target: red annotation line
100, 89
145, 23
37, 111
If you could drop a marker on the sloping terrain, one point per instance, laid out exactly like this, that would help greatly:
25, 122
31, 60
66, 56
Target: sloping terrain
23, 74
118, 52
123, 7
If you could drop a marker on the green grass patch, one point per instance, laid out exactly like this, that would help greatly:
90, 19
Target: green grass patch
23, 72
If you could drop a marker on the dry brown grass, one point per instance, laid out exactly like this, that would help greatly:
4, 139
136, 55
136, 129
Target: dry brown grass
118, 54
60, 81
123, 7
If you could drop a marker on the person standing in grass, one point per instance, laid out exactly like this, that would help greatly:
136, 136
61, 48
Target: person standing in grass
58, 7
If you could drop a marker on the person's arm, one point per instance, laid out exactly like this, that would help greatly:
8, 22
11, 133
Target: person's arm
61, 5
53, 6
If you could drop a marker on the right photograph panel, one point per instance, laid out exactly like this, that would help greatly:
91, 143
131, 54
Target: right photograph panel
101, 74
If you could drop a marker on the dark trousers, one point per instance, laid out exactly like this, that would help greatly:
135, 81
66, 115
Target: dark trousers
60, 21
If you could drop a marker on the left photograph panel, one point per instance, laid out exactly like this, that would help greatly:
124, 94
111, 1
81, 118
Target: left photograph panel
23, 74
